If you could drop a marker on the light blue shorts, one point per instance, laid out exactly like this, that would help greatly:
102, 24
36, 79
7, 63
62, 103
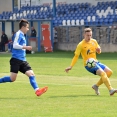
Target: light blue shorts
94, 69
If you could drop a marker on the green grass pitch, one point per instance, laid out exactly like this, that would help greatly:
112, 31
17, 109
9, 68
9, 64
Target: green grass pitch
69, 94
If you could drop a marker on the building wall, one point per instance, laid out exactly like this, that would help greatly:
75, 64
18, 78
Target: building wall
40, 2
72, 46
93, 2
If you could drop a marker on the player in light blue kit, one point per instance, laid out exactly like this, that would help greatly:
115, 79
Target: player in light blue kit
18, 60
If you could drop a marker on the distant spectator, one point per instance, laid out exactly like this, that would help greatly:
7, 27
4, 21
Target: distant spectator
33, 32
4, 40
10, 44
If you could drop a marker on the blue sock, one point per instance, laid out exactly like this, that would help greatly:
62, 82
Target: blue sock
33, 82
5, 79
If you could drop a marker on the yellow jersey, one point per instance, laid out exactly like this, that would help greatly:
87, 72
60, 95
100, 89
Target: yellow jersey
87, 49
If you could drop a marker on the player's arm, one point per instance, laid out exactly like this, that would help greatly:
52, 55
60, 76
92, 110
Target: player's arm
98, 48
16, 44
75, 58
27, 47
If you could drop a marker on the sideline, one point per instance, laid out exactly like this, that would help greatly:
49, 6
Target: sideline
5, 52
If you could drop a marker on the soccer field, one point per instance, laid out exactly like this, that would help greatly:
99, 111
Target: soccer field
69, 94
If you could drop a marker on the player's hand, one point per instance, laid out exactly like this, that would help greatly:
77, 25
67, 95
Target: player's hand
67, 69
98, 50
28, 48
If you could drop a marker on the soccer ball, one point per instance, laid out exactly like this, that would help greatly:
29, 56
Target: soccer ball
91, 62
32, 52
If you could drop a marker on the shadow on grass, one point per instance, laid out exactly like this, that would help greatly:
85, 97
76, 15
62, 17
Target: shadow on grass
20, 98
59, 96
74, 96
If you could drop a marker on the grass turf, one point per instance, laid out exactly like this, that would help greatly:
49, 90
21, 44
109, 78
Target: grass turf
68, 94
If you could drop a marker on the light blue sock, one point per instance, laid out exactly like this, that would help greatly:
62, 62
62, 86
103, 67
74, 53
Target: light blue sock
33, 82
5, 79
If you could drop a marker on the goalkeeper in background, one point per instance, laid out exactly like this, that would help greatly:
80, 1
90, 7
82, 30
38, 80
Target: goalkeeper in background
18, 60
88, 48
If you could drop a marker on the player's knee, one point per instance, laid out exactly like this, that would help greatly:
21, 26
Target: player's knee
13, 79
109, 73
30, 73
104, 76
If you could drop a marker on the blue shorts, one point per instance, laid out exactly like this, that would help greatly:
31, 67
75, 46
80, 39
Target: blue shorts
94, 69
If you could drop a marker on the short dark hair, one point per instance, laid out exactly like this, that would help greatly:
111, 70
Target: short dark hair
22, 23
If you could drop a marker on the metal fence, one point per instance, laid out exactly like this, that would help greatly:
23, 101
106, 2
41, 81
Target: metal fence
103, 34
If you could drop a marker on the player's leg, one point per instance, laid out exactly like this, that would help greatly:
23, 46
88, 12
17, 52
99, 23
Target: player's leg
14, 70
32, 79
104, 77
26, 69
106, 81
93, 71
107, 70
5, 79
38, 91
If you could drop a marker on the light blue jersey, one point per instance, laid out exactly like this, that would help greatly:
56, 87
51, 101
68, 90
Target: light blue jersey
18, 43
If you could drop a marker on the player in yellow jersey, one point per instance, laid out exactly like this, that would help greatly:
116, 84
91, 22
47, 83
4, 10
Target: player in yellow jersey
88, 48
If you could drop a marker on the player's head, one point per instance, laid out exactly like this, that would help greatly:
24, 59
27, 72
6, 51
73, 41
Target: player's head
32, 28
24, 26
87, 34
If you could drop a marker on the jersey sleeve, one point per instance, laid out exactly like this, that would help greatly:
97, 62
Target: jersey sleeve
78, 50
17, 38
76, 56
16, 44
